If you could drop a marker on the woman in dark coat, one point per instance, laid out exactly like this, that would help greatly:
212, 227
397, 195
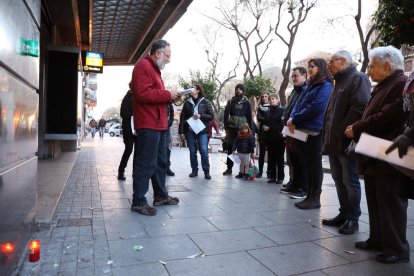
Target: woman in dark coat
197, 108
384, 117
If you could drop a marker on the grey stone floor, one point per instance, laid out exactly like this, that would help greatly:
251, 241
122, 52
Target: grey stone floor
224, 226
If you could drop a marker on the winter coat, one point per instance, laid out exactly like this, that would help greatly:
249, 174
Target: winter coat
260, 115
245, 145
294, 96
150, 96
127, 112
237, 112
204, 109
273, 119
307, 114
345, 106
383, 117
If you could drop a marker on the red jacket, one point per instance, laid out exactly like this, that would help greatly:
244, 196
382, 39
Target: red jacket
150, 96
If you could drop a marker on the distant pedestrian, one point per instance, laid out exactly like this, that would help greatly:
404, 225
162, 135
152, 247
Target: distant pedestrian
102, 125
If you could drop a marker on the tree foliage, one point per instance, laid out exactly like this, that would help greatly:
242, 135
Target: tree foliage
256, 85
206, 81
395, 22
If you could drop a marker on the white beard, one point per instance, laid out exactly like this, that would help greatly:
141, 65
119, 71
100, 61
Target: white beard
160, 64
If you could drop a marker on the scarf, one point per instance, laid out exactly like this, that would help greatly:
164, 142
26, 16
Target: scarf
408, 93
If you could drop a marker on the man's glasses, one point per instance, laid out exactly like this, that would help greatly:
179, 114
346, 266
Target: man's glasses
370, 67
332, 60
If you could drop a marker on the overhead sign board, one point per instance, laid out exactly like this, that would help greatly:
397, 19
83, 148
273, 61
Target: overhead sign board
92, 62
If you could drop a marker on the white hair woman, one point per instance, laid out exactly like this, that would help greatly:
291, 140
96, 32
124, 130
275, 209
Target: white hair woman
384, 117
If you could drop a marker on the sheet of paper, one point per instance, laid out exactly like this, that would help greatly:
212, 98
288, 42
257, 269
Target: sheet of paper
300, 135
196, 125
375, 147
235, 159
132, 126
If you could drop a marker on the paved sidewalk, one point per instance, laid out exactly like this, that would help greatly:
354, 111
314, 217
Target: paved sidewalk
224, 226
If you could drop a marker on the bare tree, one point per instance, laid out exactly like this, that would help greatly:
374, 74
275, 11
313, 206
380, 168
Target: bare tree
250, 36
364, 40
298, 10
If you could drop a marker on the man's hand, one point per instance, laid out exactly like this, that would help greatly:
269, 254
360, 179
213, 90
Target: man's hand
290, 126
182, 136
196, 116
266, 128
349, 132
402, 142
174, 95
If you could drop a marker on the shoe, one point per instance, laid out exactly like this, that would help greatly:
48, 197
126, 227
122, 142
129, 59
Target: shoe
121, 176
299, 203
207, 175
145, 210
227, 172
349, 227
287, 184
165, 201
298, 195
259, 175
279, 181
271, 180
366, 245
288, 190
170, 172
239, 176
246, 177
336, 221
193, 174
309, 204
391, 259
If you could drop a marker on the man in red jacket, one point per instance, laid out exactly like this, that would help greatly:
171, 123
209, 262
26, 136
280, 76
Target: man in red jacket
150, 122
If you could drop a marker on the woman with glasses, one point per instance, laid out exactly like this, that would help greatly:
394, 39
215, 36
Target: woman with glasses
307, 116
197, 108
260, 115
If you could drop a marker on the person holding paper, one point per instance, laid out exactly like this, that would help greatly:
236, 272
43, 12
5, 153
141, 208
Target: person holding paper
238, 111
272, 128
307, 116
151, 124
384, 117
195, 115
346, 105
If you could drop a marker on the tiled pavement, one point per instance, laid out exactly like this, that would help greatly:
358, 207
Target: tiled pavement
224, 226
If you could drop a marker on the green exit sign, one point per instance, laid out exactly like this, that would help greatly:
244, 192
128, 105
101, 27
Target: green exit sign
29, 47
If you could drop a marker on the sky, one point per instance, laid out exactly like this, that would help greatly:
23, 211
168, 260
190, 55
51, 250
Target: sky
315, 34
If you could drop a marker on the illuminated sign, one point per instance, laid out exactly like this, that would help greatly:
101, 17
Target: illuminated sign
28, 47
92, 62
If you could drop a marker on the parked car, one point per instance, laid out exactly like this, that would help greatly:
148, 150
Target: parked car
115, 129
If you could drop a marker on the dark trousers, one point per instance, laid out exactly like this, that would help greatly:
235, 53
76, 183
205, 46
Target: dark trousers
312, 151
276, 162
296, 150
129, 146
167, 143
262, 153
150, 162
231, 135
387, 213
348, 188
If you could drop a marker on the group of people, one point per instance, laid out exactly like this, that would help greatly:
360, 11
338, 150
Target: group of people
331, 103
100, 126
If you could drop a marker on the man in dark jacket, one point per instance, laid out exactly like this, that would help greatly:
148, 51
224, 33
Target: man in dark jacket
237, 112
151, 124
346, 105
170, 109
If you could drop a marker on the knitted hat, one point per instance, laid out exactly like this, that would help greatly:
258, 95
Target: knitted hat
241, 86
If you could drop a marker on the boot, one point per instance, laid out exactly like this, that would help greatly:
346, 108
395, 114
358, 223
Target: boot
207, 175
314, 202
259, 175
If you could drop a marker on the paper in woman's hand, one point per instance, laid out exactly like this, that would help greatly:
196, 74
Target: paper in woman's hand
235, 159
196, 125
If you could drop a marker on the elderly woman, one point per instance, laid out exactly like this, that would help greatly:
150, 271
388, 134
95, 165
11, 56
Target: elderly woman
384, 117
307, 116
197, 108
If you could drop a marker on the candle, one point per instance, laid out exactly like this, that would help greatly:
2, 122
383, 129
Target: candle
34, 250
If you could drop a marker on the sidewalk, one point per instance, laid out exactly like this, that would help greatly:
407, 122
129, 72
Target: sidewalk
224, 226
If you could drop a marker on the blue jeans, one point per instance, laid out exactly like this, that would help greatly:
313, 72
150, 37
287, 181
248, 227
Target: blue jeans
202, 140
150, 162
348, 188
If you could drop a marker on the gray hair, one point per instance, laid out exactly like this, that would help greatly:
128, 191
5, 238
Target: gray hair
388, 54
345, 55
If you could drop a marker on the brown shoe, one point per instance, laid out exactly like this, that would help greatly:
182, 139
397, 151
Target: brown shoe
145, 210
166, 201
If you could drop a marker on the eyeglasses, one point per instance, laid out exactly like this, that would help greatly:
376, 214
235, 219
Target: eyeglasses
370, 67
332, 60
168, 56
